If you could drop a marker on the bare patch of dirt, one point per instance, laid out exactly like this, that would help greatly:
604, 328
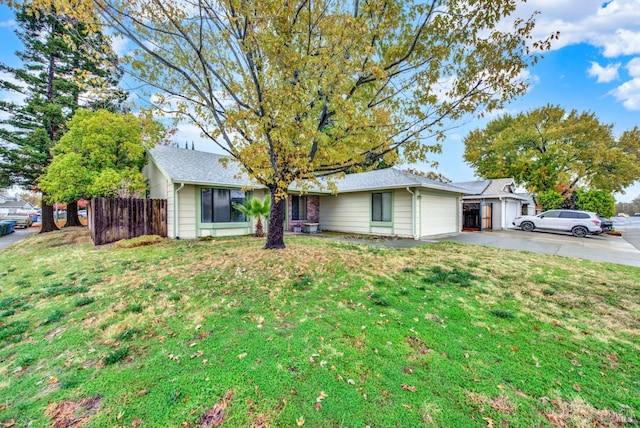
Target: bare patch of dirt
72, 414
53, 333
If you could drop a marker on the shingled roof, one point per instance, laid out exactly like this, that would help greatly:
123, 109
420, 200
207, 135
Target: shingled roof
204, 168
196, 167
390, 178
496, 188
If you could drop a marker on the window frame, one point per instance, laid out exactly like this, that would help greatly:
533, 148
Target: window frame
301, 203
234, 217
383, 220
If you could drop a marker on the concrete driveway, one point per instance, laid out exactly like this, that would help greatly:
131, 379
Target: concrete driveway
600, 248
17, 235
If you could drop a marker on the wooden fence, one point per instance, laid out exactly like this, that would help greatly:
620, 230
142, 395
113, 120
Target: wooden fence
112, 219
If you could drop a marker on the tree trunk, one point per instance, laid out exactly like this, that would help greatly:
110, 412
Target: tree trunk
259, 228
275, 234
72, 215
46, 219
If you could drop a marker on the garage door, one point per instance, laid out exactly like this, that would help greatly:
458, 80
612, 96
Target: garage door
439, 214
511, 213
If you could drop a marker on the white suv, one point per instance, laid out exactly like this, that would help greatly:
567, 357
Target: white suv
579, 223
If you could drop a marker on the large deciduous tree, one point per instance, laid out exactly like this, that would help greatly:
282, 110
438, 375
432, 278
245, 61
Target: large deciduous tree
300, 89
63, 66
101, 154
550, 150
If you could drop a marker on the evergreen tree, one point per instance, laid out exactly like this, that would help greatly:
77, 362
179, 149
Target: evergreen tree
63, 66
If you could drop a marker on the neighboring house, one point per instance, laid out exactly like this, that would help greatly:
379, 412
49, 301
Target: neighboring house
530, 204
491, 204
15, 207
200, 193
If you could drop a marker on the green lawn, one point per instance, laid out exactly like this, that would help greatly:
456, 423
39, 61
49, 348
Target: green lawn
323, 333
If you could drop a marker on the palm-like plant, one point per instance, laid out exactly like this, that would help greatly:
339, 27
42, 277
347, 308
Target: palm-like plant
254, 207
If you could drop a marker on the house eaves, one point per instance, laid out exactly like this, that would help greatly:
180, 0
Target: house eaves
205, 169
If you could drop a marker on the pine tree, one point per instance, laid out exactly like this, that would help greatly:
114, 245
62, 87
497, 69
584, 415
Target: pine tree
62, 67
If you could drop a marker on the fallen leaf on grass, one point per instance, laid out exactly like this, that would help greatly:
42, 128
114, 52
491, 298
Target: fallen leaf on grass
72, 413
489, 422
300, 421
241, 356
214, 417
9, 424
411, 388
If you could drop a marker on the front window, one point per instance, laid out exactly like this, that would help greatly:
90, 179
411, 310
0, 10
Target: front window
217, 205
298, 207
381, 206
551, 214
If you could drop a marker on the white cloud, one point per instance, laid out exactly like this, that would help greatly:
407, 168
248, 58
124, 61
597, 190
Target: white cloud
119, 45
11, 23
604, 74
10, 96
629, 92
613, 27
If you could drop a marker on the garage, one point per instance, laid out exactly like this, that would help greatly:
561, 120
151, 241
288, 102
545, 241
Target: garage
512, 208
439, 214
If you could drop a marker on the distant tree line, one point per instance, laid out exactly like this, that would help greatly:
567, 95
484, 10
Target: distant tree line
629, 208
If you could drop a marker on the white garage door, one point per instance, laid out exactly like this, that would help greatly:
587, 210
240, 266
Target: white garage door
439, 214
511, 213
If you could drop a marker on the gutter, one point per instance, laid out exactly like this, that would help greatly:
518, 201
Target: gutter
176, 224
413, 214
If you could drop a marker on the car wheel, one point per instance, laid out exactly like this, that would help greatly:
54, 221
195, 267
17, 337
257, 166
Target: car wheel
527, 226
580, 231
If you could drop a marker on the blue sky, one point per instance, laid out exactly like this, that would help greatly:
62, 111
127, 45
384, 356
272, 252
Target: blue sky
594, 66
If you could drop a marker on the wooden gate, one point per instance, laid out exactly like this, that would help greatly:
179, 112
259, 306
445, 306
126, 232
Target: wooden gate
113, 219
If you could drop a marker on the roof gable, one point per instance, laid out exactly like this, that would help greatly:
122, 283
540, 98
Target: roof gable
196, 167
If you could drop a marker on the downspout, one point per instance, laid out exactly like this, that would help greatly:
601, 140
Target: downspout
176, 224
503, 210
413, 214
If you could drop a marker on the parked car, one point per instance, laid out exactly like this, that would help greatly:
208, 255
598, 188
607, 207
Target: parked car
21, 220
636, 214
579, 223
605, 224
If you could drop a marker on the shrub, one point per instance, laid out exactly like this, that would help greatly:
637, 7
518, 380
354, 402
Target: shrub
140, 241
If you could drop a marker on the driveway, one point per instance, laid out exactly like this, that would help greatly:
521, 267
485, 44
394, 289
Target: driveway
600, 248
14, 237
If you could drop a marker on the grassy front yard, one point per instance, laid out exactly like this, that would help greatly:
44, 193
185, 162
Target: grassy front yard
211, 333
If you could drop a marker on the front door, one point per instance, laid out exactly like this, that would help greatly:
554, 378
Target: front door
471, 216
